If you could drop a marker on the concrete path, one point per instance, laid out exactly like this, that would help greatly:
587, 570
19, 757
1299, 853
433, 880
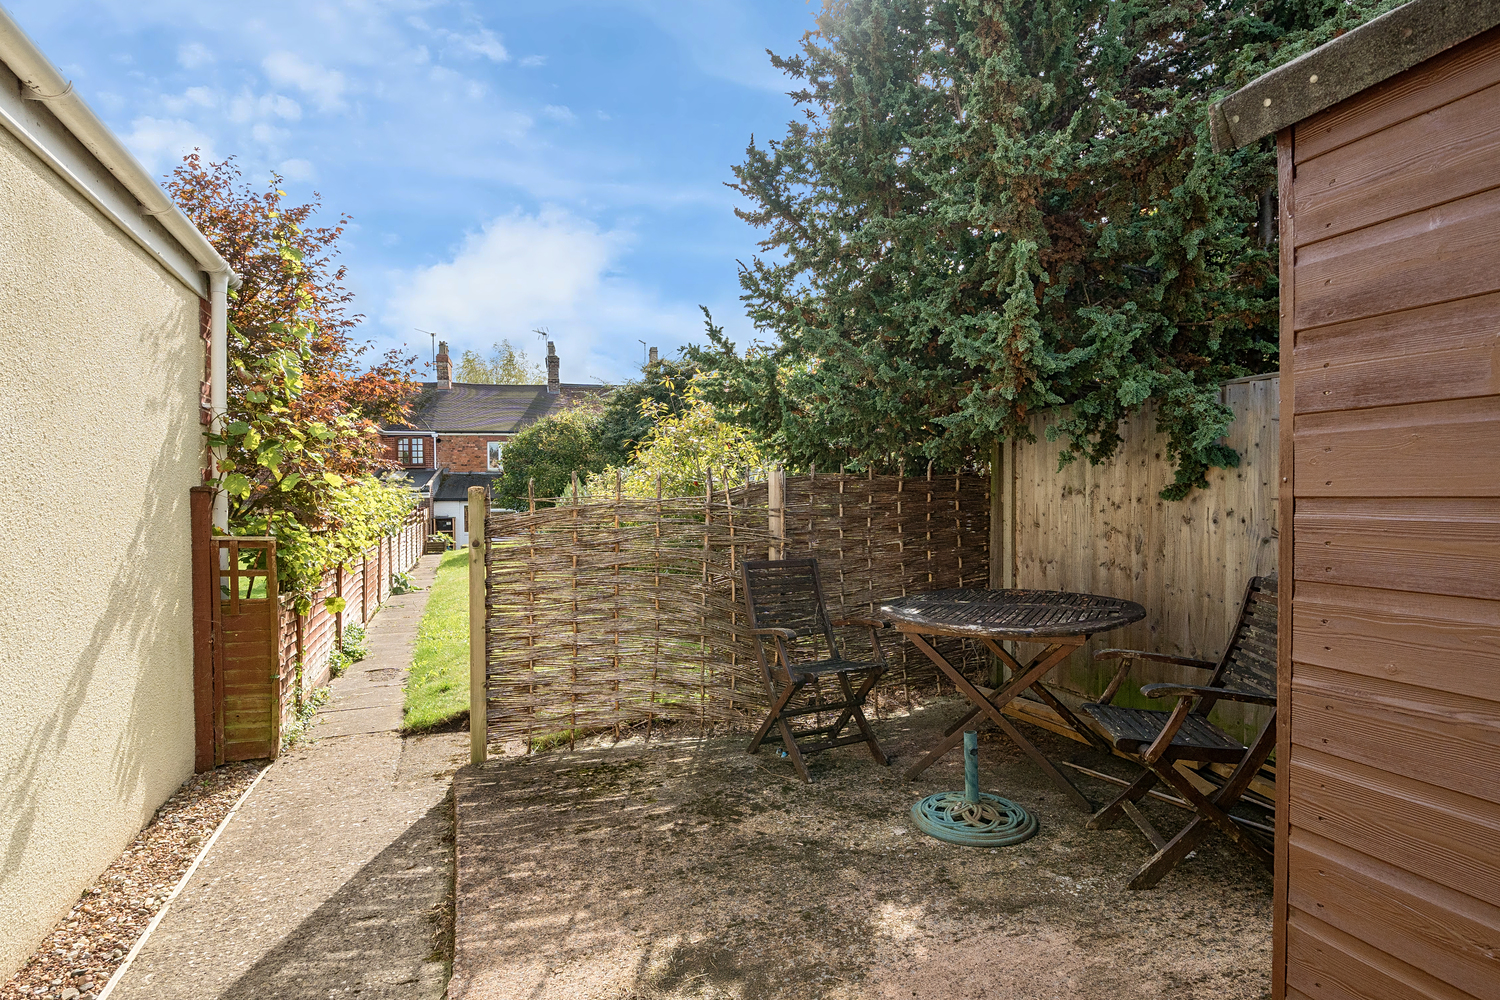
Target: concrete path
335, 877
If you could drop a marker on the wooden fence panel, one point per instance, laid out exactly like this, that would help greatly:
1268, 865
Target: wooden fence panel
610, 612
1103, 529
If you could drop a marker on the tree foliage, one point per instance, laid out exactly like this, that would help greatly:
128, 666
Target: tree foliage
506, 365
988, 207
300, 438
549, 452
684, 445
634, 407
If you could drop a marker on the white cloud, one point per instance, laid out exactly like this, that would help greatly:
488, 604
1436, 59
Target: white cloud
532, 62
248, 107
483, 42
559, 112
193, 97
297, 170
325, 86
159, 143
269, 134
192, 55
552, 269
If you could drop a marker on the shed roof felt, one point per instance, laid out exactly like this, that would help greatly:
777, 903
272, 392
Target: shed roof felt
455, 485
1370, 54
471, 408
418, 478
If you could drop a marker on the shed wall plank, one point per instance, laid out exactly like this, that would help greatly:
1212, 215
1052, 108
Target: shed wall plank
1444, 643
1446, 351
1445, 837
1423, 545
1439, 449
1435, 255
1449, 936
1449, 77
1439, 156
1327, 964
1425, 735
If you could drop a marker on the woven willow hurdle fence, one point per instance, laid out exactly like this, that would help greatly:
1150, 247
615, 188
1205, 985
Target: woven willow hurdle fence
604, 613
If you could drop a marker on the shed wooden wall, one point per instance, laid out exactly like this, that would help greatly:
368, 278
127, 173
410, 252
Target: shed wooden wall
1103, 529
1388, 866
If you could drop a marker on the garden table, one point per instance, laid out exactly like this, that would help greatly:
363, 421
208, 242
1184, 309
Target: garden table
1058, 620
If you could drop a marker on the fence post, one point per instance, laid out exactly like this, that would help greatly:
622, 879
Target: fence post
776, 500
205, 596
478, 695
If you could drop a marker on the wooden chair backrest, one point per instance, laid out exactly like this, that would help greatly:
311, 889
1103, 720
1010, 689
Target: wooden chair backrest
1249, 664
787, 593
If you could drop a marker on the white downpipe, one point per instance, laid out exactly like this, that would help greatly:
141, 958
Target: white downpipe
218, 390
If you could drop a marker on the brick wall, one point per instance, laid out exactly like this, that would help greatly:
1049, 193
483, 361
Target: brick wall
427, 450
466, 453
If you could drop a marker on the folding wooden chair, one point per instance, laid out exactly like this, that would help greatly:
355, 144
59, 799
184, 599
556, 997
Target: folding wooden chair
1158, 739
784, 600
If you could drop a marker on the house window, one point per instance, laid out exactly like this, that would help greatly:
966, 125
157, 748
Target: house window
496, 449
411, 451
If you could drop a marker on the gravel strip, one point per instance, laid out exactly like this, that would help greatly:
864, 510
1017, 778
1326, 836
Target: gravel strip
87, 945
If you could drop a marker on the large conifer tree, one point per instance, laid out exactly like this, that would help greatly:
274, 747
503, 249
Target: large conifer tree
992, 206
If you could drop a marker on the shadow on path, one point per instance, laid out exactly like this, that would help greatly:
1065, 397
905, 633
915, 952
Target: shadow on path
368, 939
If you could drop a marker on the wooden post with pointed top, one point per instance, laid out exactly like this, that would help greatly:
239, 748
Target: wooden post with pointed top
776, 500
479, 509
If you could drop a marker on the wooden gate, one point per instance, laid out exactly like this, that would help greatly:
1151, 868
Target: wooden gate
237, 666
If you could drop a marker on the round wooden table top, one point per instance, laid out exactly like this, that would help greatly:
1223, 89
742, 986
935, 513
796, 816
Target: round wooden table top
1010, 614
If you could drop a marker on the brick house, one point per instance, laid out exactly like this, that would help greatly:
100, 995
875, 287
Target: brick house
457, 433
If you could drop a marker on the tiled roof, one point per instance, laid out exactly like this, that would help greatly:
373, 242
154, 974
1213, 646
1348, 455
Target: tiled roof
455, 485
469, 408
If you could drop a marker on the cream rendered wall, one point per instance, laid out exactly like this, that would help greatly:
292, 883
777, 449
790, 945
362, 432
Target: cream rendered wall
100, 366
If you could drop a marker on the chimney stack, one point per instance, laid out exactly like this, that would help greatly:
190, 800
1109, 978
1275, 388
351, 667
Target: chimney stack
653, 358
554, 384
444, 367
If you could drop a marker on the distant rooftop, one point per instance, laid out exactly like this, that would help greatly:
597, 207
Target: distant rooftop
477, 408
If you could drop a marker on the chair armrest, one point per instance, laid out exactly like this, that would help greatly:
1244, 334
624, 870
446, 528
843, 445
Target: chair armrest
1141, 654
1195, 690
864, 622
784, 633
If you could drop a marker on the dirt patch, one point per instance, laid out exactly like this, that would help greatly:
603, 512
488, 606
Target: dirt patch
690, 869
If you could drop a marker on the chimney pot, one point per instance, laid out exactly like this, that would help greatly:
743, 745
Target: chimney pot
654, 358
554, 383
444, 367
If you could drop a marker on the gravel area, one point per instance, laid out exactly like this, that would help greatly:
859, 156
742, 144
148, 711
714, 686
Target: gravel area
87, 945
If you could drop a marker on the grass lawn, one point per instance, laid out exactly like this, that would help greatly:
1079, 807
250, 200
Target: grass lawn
437, 689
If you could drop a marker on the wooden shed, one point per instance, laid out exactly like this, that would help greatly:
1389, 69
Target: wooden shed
1388, 819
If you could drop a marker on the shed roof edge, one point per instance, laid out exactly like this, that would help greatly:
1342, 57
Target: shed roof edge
1372, 53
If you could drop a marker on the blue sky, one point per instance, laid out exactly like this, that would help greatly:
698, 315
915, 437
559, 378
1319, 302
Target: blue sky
507, 165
